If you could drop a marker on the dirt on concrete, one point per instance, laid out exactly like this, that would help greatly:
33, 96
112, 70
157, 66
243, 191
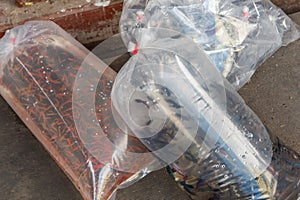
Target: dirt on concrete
289, 6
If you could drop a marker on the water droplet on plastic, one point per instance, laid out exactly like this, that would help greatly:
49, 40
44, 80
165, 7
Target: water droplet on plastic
247, 134
267, 149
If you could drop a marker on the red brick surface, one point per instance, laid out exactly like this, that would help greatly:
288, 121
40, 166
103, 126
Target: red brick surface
91, 25
86, 22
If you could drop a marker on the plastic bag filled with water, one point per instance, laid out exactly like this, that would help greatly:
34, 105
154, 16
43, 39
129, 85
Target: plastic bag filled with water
188, 115
237, 35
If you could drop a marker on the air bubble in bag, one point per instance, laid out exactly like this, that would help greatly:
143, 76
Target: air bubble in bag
62, 93
237, 35
183, 109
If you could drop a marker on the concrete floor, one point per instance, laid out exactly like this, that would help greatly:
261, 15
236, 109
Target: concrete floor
27, 172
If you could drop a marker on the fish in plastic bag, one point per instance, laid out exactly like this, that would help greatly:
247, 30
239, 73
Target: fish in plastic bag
237, 35
62, 93
183, 109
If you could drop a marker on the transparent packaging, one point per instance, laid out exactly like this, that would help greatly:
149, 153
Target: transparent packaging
237, 35
280, 181
183, 109
62, 93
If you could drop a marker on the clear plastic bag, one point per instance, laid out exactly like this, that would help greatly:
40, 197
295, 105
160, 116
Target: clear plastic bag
62, 93
182, 109
237, 35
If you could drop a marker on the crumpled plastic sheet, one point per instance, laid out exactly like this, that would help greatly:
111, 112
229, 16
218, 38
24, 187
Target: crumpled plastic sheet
238, 35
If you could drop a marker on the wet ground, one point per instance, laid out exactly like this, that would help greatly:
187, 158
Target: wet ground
27, 172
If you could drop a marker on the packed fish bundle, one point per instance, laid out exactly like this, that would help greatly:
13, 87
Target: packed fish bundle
183, 109
237, 35
62, 93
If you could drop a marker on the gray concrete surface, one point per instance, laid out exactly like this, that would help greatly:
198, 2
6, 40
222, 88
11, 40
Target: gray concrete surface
27, 172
